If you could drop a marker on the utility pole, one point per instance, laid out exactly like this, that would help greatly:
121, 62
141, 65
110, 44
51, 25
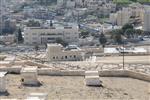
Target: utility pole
123, 53
1, 23
2, 8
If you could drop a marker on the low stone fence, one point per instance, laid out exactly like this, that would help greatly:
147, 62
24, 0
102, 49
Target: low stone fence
113, 73
45, 71
103, 73
125, 73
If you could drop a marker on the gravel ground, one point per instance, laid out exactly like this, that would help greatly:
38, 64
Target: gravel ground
73, 88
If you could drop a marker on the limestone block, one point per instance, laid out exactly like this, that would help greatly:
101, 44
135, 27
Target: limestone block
29, 76
91, 73
92, 81
41, 96
3, 82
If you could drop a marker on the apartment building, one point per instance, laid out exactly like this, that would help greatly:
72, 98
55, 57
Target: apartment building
113, 18
42, 35
2, 13
146, 25
123, 16
133, 14
93, 4
120, 18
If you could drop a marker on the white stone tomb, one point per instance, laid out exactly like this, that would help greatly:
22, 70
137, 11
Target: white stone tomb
92, 78
29, 76
3, 82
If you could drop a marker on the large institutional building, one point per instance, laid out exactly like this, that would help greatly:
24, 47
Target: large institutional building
39, 35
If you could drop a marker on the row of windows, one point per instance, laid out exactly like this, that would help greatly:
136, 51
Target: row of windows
65, 57
51, 33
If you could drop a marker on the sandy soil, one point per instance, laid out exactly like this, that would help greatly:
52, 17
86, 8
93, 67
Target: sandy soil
74, 88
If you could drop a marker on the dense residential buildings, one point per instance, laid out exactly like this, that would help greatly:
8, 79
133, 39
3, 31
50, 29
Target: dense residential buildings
42, 35
7, 39
132, 14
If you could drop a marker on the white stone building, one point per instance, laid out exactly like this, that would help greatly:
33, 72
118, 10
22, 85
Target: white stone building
70, 4
39, 35
123, 16
93, 4
55, 52
113, 18
147, 19
3, 82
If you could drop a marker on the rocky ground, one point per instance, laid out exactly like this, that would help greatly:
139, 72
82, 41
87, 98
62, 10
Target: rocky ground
74, 88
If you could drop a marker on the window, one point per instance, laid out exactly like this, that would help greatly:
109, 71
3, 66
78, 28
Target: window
74, 56
42, 33
57, 57
68, 37
53, 57
50, 38
62, 57
34, 38
70, 56
65, 57
34, 34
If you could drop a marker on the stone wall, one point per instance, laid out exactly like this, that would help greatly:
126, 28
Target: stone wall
104, 73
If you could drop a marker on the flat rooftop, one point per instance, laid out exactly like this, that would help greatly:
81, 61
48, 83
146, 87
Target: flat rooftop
74, 88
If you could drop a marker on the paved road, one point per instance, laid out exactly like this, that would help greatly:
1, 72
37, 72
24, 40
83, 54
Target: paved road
128, 59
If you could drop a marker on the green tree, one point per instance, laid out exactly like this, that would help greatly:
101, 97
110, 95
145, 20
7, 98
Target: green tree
116, 35
19, 37
36, 47
84, 34
139, 32
102, 39
127, 26
129, 33
62, 42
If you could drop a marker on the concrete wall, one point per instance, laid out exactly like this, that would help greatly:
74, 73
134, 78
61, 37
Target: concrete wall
140, 76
